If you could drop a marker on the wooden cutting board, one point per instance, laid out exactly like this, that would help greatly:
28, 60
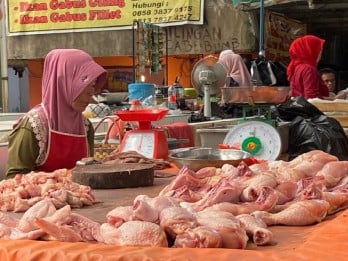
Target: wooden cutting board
111, 176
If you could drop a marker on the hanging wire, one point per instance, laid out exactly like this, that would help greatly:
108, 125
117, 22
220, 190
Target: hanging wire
262, 23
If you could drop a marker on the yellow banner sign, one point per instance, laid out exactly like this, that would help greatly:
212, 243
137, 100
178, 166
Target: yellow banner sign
58, 16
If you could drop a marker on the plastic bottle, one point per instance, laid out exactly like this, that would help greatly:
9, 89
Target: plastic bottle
180, 96
172, 105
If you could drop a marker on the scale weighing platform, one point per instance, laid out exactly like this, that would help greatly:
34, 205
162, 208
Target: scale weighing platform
151, 143
257, 135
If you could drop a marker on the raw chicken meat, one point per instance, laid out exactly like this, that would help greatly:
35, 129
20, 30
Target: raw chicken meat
176, 220
149, 209
69, 227
266, 201
337, 199
186, 180
14, 233
185, 194
286, 192
206, 172
311, 162
305, 165
308, 188
221, 192
23, 191
61, 233
256, 229
134, 233
119, 215
343, 183
240, 173
198, 209
185, 177
88, 229
333, 172
304, 184
254, 185
313, 157
41, 209
8, 220
301, 213
199, 237
232, 233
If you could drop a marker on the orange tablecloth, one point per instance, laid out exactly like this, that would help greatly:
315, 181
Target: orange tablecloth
325, 241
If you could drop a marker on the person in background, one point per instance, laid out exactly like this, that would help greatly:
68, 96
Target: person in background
237, 75
305, 53
235, 68
55, 134
328, 76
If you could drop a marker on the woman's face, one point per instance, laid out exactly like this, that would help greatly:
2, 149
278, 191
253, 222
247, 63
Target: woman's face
85, 98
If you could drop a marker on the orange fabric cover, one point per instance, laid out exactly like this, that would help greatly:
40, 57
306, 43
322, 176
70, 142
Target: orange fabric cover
180, 130
327, 240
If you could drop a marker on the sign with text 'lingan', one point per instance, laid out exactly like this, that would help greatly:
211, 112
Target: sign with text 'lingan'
61, 16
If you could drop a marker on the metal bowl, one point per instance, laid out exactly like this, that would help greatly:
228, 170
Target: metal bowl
196, 158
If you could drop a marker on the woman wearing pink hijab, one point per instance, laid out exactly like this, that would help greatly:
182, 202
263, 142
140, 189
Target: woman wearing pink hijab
305, 53
235, 68
55, 134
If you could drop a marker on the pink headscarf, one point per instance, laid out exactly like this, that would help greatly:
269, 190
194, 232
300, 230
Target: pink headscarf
304, 50
235, 67
66, 73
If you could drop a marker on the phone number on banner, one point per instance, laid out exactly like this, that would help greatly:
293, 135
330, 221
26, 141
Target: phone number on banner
164, 15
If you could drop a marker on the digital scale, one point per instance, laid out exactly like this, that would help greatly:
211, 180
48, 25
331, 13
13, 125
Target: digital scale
257, 136
151, 143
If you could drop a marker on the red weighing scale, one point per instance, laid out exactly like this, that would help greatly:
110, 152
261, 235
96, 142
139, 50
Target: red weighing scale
152, 143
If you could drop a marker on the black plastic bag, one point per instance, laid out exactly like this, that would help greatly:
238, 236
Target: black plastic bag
297, 106
317, 133
260, 73
279, 71
268, 73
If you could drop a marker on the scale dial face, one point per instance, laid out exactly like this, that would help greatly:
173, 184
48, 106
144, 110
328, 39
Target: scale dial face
260, 139
141, 142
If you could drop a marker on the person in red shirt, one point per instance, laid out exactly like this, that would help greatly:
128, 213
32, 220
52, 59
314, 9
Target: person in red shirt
305, 53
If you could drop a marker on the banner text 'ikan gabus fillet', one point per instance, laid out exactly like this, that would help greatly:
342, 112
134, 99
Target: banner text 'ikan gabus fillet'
60, 16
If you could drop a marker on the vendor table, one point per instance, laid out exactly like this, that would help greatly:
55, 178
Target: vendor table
327, 240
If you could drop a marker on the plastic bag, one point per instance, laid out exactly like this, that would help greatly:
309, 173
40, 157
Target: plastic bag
279, 71
261, 75
297, 106
317, 133
268, 73
310, 129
